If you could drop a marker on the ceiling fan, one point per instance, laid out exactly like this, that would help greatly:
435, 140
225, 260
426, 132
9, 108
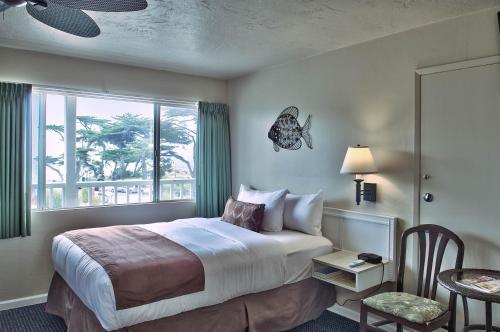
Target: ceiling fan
68, 15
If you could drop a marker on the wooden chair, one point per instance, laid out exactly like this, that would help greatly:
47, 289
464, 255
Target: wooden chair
420, 312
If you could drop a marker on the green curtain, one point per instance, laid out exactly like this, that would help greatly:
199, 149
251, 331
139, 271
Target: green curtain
15, 163
212, 160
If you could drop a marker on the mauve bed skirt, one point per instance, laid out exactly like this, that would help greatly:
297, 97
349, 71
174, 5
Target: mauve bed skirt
277, 309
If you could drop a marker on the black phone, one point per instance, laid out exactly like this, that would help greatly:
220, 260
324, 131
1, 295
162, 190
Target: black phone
370, 258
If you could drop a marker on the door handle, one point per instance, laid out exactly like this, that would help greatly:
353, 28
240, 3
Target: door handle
428, 197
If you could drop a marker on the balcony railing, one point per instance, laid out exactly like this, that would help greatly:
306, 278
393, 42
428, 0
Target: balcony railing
99, 193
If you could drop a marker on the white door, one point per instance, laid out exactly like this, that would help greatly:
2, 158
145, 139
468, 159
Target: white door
460, 154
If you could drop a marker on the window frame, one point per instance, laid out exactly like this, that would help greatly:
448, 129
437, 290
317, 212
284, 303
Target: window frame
70, 103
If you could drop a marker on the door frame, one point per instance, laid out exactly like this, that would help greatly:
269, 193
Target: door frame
419, 72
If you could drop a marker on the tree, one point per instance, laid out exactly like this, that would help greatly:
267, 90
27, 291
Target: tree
90, 142
175, 130
55, 164
129, 136
57, 129
122, 147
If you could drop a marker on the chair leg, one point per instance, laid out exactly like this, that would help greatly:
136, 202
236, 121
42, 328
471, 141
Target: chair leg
363, 318
466, 311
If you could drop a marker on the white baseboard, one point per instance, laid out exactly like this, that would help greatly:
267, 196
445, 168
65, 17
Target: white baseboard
345, 312
23, 302
354, 315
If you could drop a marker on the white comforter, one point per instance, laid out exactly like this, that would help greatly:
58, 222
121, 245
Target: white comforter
236, 261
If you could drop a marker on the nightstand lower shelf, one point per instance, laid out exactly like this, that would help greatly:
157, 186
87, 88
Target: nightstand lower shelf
334, 269
340, 278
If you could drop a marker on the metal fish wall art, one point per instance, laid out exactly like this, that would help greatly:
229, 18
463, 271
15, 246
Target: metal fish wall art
286, 132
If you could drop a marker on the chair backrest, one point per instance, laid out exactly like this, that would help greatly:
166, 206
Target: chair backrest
428, 267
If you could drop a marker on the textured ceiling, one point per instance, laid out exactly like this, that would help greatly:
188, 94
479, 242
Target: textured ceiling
229, 38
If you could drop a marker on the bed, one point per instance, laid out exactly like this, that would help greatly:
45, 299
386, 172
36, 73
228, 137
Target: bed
253, 281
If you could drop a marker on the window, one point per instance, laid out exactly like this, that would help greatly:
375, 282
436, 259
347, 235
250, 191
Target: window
94, 150
177, 137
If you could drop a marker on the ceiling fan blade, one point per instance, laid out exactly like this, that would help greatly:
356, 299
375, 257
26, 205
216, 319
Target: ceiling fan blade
104, 5
66, 19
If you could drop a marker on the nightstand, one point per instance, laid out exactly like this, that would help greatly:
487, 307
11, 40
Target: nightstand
334, 269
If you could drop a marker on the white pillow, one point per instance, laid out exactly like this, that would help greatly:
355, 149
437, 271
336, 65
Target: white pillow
303, 213
273, 211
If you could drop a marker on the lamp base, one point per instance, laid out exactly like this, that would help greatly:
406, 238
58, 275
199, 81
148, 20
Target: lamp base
358, 190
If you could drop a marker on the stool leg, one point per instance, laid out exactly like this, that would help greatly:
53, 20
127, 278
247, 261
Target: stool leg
453, 317
489, 318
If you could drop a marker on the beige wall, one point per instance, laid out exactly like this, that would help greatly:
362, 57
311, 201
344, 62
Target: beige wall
25, 263
361, 94
60, 71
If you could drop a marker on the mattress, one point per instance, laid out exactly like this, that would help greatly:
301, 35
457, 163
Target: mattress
300, 249
236, 261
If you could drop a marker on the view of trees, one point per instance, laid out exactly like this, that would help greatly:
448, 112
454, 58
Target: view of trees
122, 147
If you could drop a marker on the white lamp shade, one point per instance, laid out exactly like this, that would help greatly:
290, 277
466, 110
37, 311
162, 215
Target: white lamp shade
358, 160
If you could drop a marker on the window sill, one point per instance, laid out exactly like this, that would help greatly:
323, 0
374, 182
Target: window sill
116, 206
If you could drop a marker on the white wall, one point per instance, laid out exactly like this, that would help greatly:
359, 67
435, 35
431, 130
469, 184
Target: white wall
361, 94
59, 71
25, 263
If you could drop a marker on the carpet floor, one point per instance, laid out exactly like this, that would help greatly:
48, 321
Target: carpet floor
34, 319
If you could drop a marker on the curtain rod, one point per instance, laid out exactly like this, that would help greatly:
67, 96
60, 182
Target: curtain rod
115, 96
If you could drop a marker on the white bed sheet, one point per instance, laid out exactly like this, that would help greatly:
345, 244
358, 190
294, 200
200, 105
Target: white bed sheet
300, 249
236, 262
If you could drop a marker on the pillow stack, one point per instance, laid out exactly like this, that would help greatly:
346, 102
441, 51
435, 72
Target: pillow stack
302, 213
274, 206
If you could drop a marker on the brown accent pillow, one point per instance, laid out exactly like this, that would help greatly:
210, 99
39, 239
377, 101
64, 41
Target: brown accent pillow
246, 215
